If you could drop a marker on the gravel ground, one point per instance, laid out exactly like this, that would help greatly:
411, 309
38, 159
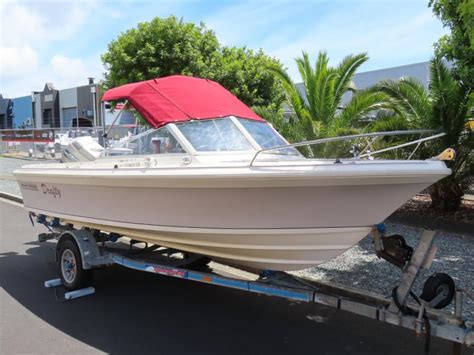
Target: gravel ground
357, 267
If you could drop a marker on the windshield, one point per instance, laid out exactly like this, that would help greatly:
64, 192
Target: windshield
263, 134
153, 141
267, 137
214, 135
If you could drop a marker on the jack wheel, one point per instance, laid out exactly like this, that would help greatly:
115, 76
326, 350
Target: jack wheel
72, 275
439, 284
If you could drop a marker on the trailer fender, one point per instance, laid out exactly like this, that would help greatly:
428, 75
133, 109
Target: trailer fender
90, 254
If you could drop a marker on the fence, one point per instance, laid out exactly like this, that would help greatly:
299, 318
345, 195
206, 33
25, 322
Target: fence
48, 143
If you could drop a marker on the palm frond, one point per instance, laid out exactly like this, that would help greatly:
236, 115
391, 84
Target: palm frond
389, 123
293, 95
407, 97
359, 107
346, 71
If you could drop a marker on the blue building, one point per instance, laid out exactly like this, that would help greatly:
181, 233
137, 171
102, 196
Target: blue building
22, 112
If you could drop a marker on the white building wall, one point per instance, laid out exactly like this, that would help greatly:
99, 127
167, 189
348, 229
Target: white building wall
38, 114
419, 71
363, 80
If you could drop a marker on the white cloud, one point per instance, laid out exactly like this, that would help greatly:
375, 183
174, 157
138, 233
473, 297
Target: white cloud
30, 32
69, 72
17, 61
64, 72
20, 25
40, 23
65, 67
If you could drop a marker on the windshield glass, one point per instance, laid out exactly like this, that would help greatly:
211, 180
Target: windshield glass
153, 141
263, 134
214, 135
163, 142
266, 136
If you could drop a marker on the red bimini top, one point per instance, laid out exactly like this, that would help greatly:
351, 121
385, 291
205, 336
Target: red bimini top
180, 98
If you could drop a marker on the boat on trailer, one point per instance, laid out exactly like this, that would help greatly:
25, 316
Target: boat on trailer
213, 178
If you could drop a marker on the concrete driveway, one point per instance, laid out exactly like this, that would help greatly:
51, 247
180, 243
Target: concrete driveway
139, 313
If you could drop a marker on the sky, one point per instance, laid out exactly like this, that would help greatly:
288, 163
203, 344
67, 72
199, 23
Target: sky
62, 41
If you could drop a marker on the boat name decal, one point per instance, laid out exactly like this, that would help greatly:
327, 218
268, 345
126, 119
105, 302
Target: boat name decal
51, 190
29, 186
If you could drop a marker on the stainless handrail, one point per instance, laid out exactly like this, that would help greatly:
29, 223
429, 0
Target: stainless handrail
354, 136
417, 141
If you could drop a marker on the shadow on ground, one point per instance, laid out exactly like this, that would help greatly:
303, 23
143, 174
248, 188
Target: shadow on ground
141, 313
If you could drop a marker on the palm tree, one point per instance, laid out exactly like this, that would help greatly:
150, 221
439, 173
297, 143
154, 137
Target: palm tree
444, 106
318, 108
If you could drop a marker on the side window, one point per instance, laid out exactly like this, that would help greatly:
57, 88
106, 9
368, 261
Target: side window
158, 141
162, 141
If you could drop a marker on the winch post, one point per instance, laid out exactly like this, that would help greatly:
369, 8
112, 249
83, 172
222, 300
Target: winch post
410, 272
377, 235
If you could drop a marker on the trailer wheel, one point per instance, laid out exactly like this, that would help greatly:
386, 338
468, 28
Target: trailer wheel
436, 284
73, 276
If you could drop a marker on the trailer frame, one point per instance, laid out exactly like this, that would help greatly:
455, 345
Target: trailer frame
96, 252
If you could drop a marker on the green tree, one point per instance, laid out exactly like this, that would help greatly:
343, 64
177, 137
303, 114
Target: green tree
243, 72
318, 106
158, 48
170, 46
458, 46
443, 106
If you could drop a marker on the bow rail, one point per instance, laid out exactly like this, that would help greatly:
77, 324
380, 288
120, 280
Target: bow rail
363, 135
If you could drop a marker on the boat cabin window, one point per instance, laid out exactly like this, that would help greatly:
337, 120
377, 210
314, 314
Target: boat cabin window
162, 141
263, 134
154, 141
267, 137
214, 135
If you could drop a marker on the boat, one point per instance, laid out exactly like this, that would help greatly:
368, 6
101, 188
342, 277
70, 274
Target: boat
217, 180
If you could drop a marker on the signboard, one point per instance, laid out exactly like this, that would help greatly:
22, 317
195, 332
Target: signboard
27, 135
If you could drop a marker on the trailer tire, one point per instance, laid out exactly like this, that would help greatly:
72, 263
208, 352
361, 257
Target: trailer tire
72, 275
436, 284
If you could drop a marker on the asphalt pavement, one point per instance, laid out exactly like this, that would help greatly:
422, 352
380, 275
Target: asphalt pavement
139, 313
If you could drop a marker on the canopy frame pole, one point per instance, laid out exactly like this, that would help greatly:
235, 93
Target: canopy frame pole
106, 134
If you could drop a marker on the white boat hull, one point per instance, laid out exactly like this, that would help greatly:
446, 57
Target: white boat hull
267, 218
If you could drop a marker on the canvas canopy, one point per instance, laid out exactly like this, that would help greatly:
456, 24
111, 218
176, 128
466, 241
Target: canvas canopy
180, 98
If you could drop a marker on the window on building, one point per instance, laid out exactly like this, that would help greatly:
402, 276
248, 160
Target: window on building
47, 117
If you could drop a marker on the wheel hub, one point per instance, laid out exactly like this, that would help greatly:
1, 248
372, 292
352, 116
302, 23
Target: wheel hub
68, 266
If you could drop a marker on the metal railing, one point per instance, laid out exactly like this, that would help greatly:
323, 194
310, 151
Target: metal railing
356, 136
46, 144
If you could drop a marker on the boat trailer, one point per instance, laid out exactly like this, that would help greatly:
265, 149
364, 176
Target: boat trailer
79, 251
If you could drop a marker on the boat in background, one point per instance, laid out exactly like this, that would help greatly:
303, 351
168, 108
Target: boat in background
216, 179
